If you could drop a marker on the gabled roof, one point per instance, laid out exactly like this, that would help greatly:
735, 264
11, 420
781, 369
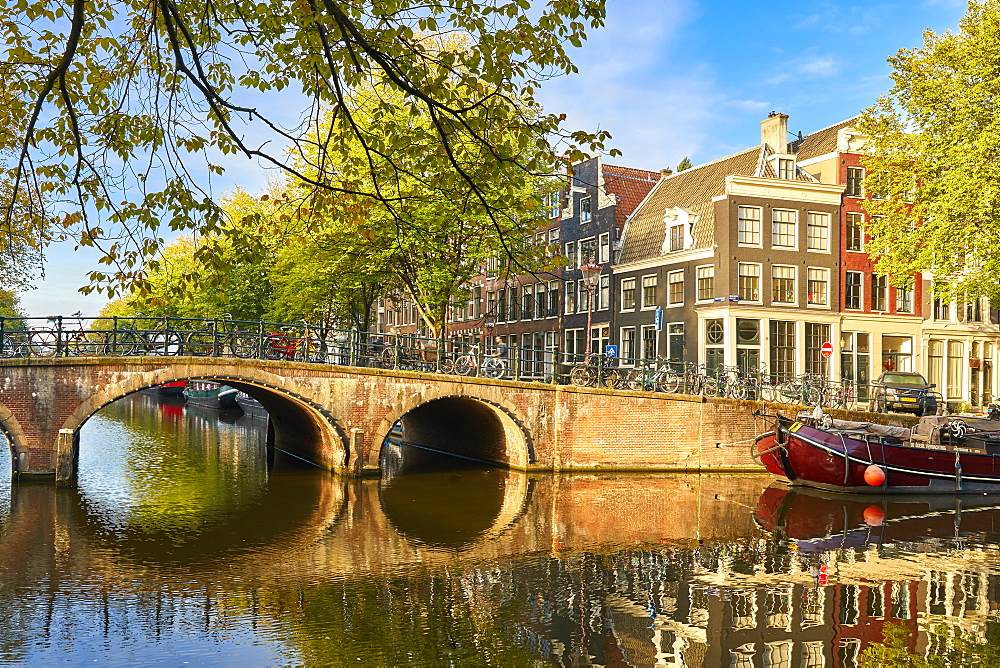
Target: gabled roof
820, 142
692, 189
630, 185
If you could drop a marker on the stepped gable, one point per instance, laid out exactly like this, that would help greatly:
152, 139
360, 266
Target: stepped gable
820, 142
630, 185
691, 189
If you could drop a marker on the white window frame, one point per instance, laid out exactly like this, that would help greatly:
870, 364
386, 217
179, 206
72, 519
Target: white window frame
635, 301
670, 283
847, 227
584, 257
602, 294
861, 186
697, 282
570, 297
757, 233
759, 277
604, 248
826, 228
627, 357
795, 228
861, 306
586, 212
642, 293
679, 227
795, 284
826, 278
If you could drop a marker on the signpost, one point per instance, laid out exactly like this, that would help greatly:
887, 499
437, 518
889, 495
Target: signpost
658, 320
827, 349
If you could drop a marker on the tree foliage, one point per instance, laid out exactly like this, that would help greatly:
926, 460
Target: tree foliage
934, 159
684, 164
433, 234
125, 111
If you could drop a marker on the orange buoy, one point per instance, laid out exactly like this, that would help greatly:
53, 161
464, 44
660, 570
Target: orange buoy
873, 516
874, 475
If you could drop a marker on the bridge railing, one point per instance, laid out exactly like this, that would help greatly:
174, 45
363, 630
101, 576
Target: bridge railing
76, 335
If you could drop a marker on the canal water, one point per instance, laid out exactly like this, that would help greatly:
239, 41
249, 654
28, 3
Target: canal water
181, 545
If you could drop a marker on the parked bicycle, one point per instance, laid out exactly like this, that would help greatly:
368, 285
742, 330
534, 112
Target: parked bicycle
597, 369
292, 343
654, 375
487, 366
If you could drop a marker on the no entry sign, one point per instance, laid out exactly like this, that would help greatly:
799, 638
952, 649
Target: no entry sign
826, 349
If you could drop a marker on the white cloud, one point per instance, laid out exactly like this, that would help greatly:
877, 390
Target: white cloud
819, 67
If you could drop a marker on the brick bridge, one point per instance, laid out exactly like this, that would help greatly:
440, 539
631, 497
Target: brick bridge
339, 416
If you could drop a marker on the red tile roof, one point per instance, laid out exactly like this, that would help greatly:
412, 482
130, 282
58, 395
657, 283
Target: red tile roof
630, 185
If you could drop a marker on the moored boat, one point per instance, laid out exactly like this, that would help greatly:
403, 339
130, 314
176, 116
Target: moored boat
174, 389
211, 394
251, 406
818, 521
940, 455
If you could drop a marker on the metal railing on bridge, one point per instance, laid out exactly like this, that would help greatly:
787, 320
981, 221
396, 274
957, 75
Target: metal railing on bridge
71, 336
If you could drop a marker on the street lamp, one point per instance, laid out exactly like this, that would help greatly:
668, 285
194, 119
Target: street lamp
489, 322
591, 273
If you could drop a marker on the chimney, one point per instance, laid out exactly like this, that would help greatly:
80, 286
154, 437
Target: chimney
664, 173
774, 132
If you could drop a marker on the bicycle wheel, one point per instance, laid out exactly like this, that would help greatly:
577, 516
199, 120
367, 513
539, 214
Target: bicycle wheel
13, 346
243, 345
583, 376
738, 390
610, 378
199, 343
668, 382
43, 343
464, 366
446, 365
634, 379
710, 388
88, 345
493, 367
768, 393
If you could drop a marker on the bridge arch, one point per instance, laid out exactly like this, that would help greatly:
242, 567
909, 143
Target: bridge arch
12, 430
465, 425
298, 424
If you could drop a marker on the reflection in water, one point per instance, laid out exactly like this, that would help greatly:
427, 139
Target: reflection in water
181, 545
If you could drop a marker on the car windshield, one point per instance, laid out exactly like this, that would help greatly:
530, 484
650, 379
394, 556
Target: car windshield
909, 379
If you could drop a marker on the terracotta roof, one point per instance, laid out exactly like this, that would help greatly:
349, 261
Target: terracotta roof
820, 142
630, 185
691, 189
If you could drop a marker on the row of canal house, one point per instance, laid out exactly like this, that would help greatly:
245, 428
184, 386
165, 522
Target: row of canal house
753, 260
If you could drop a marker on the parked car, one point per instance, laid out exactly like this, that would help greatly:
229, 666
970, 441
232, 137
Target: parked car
904, 392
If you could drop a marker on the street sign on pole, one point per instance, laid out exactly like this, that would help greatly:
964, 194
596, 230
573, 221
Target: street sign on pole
826, 349
658, 319
611, 351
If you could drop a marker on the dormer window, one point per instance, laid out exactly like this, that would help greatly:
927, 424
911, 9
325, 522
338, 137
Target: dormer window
786, 169
677, 237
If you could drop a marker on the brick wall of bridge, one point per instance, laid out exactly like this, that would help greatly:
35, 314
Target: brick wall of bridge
339, 416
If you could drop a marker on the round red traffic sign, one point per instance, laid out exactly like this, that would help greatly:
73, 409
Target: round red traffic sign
827, 349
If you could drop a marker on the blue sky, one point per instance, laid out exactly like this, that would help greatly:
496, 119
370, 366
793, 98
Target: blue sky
675, 78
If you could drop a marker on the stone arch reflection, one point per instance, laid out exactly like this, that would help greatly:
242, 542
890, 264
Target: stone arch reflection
456, 509
190, 488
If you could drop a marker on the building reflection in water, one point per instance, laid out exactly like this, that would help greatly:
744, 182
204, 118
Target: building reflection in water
182, 541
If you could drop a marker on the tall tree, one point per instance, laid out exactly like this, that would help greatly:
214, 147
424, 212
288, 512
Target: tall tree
124, 111
432, 232
684, 164
934, 159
